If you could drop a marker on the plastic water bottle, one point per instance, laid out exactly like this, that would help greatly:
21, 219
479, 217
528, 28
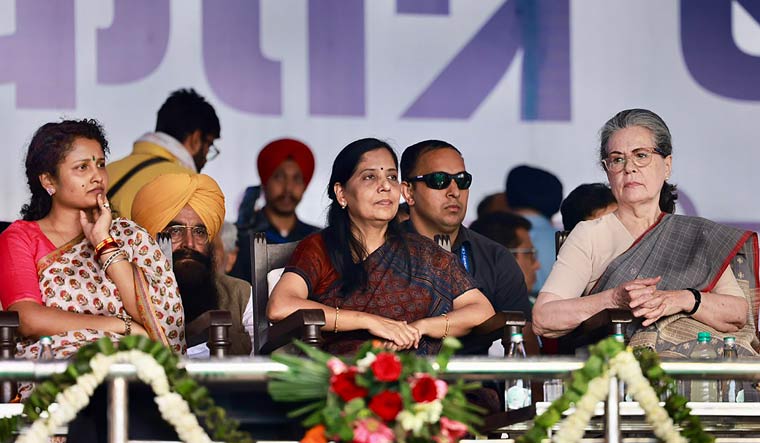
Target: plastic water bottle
518, 391
46, 348
728, 387
704, 390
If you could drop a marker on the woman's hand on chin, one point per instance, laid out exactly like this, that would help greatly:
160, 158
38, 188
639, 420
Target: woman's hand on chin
399, 333
96, 223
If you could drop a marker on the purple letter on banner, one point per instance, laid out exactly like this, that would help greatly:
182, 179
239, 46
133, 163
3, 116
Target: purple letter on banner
435, 7
40, 57
336, 57
135, 43
237, 71
710, 52
542, 29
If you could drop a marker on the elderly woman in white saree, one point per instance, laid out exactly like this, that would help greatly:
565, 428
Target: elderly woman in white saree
674, 273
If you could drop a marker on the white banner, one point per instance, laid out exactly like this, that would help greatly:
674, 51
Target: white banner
507, 82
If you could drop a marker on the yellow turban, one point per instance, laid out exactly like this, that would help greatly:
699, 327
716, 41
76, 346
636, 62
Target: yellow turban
158, 202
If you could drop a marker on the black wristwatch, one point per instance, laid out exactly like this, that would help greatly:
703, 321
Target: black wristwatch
697, 300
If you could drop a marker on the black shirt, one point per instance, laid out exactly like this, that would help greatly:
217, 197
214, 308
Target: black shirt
495, 270
261, 223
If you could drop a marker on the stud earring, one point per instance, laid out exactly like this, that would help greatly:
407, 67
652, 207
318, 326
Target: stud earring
50, 191
343, 205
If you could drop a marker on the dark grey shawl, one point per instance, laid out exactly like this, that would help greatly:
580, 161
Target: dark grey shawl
688, 252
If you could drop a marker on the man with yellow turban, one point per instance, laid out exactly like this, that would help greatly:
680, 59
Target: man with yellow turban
190, 209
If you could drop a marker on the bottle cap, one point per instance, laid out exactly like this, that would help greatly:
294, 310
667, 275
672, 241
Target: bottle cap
517, 336
729, 340
46, 340
703, 337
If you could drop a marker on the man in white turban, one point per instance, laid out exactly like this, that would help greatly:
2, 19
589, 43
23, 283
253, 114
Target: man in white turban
190, 209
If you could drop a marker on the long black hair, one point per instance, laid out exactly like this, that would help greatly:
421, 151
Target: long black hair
347, 252
48, 148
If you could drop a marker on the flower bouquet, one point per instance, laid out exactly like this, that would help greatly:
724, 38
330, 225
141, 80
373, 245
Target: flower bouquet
376, 396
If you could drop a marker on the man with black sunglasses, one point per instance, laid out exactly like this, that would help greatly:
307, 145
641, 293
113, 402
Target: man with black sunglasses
436, 185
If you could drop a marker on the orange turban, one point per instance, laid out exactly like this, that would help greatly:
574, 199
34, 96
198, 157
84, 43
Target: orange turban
276, 152
158, 202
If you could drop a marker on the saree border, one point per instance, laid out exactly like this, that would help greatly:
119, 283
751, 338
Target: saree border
727, 261
52, 256
145, 307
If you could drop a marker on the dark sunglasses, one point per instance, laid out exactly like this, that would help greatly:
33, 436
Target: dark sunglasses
441, 180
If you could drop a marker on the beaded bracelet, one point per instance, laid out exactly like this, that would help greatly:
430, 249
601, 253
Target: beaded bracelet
116, 261
112, 259
107, 243
127, 319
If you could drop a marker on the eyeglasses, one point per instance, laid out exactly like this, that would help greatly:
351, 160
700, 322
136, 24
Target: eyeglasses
213, 152
640, 157
177, 233
442, 180
532, 252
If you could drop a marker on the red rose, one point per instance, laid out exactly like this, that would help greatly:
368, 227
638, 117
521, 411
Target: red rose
386, 367
424, 389
344, 384
386, 405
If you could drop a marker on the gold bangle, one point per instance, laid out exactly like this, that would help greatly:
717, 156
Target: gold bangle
335, 328
448, 324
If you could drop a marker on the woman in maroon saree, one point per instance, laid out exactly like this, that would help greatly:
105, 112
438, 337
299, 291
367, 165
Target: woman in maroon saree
370, 277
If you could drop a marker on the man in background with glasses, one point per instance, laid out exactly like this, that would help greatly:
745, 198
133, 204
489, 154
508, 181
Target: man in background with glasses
513, 232
536, 194
189, 209
436, 185
186, 128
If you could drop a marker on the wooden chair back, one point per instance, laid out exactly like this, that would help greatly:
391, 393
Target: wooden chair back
559, 239
264, 258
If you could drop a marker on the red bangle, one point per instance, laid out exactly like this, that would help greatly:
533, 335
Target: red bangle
108, 243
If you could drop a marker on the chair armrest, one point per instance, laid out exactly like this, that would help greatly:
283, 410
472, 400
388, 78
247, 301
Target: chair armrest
619, 318
304, 324
494, 422
499, 326
211, 327
9, 324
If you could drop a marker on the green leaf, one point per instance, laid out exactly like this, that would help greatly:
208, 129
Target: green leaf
128, 343
105, 346
593, 368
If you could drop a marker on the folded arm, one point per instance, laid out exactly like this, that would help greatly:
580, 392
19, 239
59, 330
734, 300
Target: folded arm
36, 320
470, 309
291, 294
555, 316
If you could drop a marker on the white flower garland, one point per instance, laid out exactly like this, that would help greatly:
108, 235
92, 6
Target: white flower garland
573, 427
174, 409
627, 368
